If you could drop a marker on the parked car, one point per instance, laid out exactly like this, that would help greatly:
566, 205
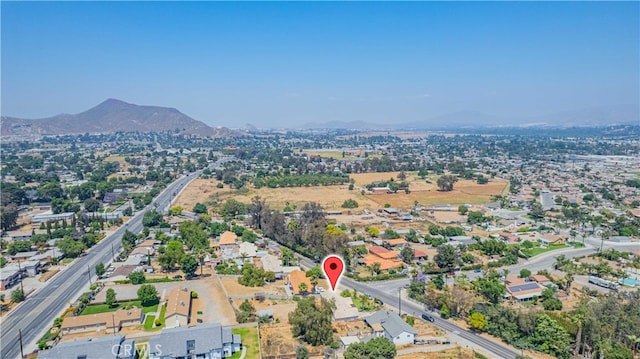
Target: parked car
477, 270
177, 276
428, 318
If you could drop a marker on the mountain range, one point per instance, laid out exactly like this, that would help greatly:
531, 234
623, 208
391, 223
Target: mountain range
589, 117
111, 116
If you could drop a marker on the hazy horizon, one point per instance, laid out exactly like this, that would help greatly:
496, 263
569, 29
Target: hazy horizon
287, 64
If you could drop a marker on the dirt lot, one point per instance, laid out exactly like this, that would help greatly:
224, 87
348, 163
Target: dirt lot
200, 190
281, 308
234, 288
276, 339
459, 353
332, 197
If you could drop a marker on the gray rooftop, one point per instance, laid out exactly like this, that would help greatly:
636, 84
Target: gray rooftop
391, 322
99, 348
173, 342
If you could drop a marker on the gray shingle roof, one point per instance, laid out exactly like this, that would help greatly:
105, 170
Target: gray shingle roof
209, 337
391, 322
99, 348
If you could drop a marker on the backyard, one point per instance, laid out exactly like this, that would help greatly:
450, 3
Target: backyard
249, 340
104, 308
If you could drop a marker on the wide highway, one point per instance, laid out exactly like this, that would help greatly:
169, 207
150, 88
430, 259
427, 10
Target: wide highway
37, 312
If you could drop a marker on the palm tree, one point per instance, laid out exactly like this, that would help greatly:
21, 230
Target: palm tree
201, 254
303, 287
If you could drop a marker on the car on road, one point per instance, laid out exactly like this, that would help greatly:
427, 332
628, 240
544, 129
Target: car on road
477, 270
428, 318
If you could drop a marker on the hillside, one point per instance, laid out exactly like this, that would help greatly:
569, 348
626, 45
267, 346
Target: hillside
112, 116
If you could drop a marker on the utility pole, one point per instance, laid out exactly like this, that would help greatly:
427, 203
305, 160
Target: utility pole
89, 273
21, 350
113, 257
113, 318
20, 271
400, 301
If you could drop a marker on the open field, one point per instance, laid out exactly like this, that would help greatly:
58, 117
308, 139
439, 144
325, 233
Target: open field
103, 308
199, 191
280, 308
332, 197
233, 288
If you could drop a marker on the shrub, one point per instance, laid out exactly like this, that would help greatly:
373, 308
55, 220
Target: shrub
194, 294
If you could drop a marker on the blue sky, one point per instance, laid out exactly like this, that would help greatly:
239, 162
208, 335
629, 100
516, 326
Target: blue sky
284, 64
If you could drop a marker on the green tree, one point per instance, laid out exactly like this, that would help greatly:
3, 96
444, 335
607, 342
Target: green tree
462, 209
172, 255
378, 348
137, 277
189, 264
303, 288
445, 182
444, 311
193, 235
438, 281
311, 320
525, 273
446, 257
129, 239
148, 295
302, 352
17, 295
549, 337
152, 219
69, 247
477, 321
18, 247
246, 313
536, 211
111, 297
100, 270
199, 208
8, 216
91, 205
407, 254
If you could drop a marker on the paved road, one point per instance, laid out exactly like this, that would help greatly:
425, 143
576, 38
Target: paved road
37, 313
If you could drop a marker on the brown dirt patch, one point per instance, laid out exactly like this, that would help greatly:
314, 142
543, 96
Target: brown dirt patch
234, 288
200, 190
48, 274
445, 354
281, 308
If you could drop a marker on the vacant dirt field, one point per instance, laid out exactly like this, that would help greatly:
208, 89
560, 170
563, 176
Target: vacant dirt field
234, 288
332, 197
281, 308
458, 353
464, 191
200, 190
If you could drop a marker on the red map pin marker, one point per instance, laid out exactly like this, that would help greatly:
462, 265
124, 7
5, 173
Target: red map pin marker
333, 267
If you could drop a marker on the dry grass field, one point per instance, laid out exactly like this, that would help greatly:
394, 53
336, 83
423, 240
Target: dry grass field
232, 287
332, 197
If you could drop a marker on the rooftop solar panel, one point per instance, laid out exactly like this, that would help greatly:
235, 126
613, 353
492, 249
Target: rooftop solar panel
523, 287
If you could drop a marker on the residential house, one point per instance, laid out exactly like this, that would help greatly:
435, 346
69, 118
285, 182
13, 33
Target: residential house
391, 326
10, 275
520, 290
49, 216
110, 322
397, 243
178, 308
111, 347
209, 341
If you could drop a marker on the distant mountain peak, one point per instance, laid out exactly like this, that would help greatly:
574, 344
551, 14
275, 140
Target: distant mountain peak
113, 115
